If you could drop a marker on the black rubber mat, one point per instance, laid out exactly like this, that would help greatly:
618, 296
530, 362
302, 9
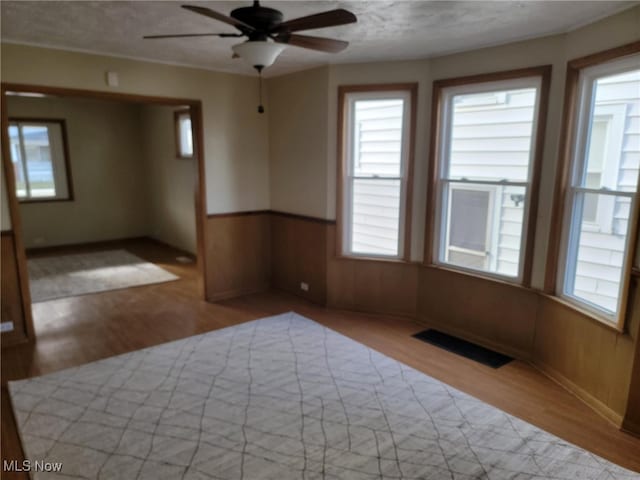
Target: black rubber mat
463, 348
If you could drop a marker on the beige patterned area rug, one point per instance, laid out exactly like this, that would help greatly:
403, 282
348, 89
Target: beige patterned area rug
278, 398
69, 275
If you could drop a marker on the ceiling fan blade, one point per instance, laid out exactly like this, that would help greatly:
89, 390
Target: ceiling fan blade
207, 12
314, 43
331, 18
181, 35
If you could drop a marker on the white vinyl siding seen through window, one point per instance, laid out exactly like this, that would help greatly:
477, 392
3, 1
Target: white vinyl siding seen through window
486, 152
604, 185
375, 173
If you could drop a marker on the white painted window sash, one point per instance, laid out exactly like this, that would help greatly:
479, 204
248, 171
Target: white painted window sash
445, 180
349, 177
573, 206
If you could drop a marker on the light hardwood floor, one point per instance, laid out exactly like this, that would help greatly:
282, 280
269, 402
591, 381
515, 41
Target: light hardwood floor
74, 331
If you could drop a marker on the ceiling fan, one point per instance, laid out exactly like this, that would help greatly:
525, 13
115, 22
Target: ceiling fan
267, 32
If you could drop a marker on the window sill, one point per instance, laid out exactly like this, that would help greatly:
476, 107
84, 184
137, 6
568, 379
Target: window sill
584, 311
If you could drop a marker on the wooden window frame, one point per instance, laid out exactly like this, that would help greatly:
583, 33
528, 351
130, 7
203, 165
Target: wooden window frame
177, 115
431, 228
65, 150
343, 91
566, 153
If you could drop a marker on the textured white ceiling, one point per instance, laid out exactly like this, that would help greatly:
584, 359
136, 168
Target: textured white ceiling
386, 30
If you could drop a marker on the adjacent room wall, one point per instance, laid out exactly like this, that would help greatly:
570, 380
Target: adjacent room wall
107, 172
170, 181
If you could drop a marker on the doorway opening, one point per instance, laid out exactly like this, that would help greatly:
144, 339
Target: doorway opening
106, 201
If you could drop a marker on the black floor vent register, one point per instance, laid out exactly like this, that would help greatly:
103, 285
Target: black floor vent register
463, 348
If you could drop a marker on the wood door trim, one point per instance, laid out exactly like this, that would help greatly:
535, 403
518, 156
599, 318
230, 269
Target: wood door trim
97, 94
16, 224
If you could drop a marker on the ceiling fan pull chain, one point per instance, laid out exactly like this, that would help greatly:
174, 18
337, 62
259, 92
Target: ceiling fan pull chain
260, 107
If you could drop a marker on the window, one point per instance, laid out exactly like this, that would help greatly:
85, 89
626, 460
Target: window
484, 171
377, 140
184, 134
602, 188
39, 155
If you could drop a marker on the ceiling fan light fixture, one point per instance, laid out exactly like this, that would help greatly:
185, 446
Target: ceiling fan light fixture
258, 53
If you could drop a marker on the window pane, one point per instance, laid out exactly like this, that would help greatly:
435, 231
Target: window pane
483, 227
186, 137
377, 137
491, 135
16, 158
469, 219
375, 217
39, 165
614, 133
596, 257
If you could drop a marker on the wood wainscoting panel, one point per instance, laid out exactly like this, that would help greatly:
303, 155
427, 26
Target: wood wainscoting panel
631, 421
298, 246
367, 285
587, 357
494, 314
10, 298
238, 253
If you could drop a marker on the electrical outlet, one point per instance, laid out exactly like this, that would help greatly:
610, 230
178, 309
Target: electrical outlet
304, 286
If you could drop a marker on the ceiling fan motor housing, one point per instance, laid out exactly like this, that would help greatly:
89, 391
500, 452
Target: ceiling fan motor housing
263, 19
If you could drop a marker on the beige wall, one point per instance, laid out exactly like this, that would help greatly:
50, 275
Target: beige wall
297, 142
170, 181
235, 136
107, 172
